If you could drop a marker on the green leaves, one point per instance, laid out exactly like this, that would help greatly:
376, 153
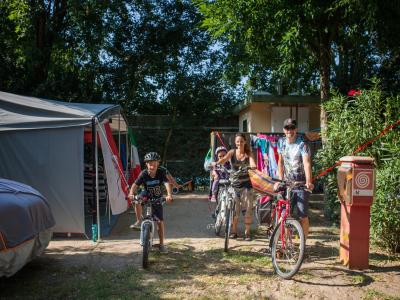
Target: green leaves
353, 121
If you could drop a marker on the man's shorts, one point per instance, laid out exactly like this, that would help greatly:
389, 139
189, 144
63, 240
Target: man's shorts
300, 202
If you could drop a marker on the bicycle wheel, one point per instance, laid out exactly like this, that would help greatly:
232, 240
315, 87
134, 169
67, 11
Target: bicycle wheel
228, 224
287, 252
146, 245
221, 208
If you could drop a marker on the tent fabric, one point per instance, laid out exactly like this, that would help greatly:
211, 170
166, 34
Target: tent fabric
51, 161
24, 212
41, 144
24, 113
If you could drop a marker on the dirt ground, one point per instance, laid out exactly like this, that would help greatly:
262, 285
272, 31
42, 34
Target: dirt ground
196, 265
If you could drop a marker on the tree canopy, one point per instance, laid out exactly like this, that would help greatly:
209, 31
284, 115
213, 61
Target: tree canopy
157, 57
308, 43
150, 56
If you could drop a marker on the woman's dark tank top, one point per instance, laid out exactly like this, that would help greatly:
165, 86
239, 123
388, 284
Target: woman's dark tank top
240, 176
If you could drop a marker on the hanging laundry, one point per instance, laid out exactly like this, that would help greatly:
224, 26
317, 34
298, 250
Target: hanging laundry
273, 158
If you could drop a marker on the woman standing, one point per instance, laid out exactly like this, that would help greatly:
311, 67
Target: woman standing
241, 159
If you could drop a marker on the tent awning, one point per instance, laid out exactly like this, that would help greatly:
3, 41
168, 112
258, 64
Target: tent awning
25, 113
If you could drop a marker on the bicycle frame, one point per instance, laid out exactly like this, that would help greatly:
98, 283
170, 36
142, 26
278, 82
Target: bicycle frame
148, 218
282, 205
282, 208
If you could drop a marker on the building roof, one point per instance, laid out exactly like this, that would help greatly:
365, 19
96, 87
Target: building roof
265, 97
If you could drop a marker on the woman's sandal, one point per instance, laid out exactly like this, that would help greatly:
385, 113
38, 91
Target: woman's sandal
233, 236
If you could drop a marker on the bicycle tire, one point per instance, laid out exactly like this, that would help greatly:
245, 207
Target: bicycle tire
228, 223
146, 246
220, 219
287, 261
257, 213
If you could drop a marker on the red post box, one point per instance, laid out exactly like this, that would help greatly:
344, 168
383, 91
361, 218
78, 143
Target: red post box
356, 189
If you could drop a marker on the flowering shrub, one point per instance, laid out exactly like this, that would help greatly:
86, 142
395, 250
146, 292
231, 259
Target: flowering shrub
352, 121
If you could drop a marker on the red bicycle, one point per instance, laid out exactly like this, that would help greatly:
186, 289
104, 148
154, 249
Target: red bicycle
286, 241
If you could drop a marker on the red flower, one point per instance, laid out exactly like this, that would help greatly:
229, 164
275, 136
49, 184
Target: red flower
352, 93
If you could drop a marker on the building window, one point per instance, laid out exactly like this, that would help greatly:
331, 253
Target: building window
244, 126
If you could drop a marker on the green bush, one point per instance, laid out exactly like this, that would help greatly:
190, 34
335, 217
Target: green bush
385, 212
352, 121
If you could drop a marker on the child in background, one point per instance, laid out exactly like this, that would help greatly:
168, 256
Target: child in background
220, 152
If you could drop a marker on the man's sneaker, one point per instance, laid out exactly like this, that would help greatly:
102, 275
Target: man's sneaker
213, 198
162, 249
136, 225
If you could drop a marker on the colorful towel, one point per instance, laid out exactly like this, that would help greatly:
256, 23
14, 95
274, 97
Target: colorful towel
261, 182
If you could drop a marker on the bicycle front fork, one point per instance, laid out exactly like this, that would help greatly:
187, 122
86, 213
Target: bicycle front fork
146, 223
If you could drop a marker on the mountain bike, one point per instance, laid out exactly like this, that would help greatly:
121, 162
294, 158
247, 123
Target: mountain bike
148, 225
225, 208
287, 241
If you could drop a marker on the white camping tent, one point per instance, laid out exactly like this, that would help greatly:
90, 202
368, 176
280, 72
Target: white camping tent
41, 144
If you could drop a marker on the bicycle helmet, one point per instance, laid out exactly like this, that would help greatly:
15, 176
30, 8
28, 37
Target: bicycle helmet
151, 156
219, 149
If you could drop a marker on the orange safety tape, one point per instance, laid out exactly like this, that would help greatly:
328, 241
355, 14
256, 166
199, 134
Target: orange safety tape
359, 148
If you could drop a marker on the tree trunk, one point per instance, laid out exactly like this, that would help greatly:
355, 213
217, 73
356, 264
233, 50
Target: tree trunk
48, 24
324, 62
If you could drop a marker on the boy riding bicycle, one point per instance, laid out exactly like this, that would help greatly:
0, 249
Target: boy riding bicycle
152, 179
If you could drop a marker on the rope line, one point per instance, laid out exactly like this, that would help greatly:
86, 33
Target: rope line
359, 148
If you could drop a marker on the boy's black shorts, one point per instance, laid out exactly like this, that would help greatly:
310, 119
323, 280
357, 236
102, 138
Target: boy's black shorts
158, 212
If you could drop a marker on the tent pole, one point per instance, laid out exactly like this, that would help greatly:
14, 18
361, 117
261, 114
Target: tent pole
119, 131
127, 154
94, 181
97, 193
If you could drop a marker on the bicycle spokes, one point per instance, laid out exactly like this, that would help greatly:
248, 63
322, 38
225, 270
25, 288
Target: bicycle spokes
288, 248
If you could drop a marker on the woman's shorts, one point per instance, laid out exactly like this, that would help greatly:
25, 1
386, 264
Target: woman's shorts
244, 200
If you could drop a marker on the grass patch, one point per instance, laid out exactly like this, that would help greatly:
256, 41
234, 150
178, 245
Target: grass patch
75, 283
181, 273
246, 257
305, 274
374, 295
357, 279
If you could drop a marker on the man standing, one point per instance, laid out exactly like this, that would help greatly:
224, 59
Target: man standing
295, 165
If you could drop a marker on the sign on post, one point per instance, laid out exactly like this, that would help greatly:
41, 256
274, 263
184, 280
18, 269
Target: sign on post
363, 182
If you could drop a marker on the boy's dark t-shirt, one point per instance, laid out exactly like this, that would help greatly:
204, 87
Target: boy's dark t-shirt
153, 185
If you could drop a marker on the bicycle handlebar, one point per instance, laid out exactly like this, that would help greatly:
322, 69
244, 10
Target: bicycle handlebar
293, 184
139, 199
223, 168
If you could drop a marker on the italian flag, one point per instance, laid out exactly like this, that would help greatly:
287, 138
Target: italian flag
135, 162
